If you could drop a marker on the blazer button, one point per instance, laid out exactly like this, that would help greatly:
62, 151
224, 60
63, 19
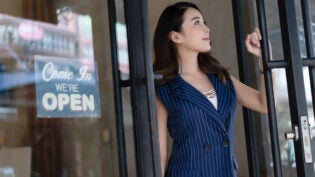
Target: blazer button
207, 147
225, 143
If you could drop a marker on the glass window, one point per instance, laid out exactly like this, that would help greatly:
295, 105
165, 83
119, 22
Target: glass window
57, 114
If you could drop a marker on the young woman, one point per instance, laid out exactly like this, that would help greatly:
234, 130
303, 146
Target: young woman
196, 99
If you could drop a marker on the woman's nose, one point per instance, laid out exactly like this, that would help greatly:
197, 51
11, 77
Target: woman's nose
207, 29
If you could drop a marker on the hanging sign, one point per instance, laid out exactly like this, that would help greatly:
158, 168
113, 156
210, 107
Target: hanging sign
66, 88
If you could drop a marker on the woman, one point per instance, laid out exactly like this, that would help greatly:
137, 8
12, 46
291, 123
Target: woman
196, 99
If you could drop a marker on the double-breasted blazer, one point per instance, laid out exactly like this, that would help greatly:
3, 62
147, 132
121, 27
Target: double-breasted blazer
202, 135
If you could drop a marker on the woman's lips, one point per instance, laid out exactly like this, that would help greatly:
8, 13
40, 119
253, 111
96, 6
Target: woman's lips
206, 39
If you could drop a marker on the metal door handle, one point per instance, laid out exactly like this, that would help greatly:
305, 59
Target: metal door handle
292, 135
305, 138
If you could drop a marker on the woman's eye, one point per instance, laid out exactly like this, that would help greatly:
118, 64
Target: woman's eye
197, 22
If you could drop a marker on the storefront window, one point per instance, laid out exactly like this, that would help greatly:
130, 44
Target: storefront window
56, 95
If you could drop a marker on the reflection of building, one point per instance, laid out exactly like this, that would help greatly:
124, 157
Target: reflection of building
121, 34
21, 39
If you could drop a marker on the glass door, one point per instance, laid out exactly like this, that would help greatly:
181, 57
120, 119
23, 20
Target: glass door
298, 47
288, 146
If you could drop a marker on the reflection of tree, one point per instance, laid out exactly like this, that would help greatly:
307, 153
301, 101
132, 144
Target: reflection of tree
81, 142
42, 10
45, 134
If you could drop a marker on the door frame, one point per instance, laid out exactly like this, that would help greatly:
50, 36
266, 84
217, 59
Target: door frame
141, 83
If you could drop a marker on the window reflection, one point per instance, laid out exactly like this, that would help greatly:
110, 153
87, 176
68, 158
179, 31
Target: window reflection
21, 39
59, 147
284, 119
284, 124
123, 59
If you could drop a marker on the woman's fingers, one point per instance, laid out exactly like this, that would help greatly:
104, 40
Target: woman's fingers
255, 38
257, 31
252, 42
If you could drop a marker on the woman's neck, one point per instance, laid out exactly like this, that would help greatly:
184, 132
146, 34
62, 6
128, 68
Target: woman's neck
188, 64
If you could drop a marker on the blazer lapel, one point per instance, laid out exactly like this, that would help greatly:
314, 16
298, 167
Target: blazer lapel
181, 89
224, 95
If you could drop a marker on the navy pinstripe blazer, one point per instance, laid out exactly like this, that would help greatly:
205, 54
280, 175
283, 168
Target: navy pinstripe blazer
203, 136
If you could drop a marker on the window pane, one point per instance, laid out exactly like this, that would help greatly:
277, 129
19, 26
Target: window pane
58, 143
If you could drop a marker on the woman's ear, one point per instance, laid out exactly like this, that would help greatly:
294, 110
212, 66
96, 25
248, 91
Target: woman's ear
175, 37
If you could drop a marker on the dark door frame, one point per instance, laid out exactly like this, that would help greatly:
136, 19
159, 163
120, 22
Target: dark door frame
117, 83
142, 89
141, 83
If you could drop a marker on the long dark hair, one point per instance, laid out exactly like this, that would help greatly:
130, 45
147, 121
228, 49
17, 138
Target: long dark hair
166, 55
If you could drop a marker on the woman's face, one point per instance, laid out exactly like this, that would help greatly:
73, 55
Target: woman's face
194, 32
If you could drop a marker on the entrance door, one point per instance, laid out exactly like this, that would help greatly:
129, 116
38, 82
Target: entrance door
289, 26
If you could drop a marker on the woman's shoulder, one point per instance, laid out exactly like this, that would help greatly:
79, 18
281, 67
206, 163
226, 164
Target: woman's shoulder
161, 86
166, 82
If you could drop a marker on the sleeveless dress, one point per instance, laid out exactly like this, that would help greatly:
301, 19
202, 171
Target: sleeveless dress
202, 135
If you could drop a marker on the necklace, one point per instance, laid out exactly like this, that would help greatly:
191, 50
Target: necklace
210, 94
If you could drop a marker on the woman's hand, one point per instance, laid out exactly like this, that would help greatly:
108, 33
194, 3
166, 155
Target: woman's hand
252, 43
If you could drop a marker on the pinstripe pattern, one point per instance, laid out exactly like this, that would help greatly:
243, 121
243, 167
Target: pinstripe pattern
203, 136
